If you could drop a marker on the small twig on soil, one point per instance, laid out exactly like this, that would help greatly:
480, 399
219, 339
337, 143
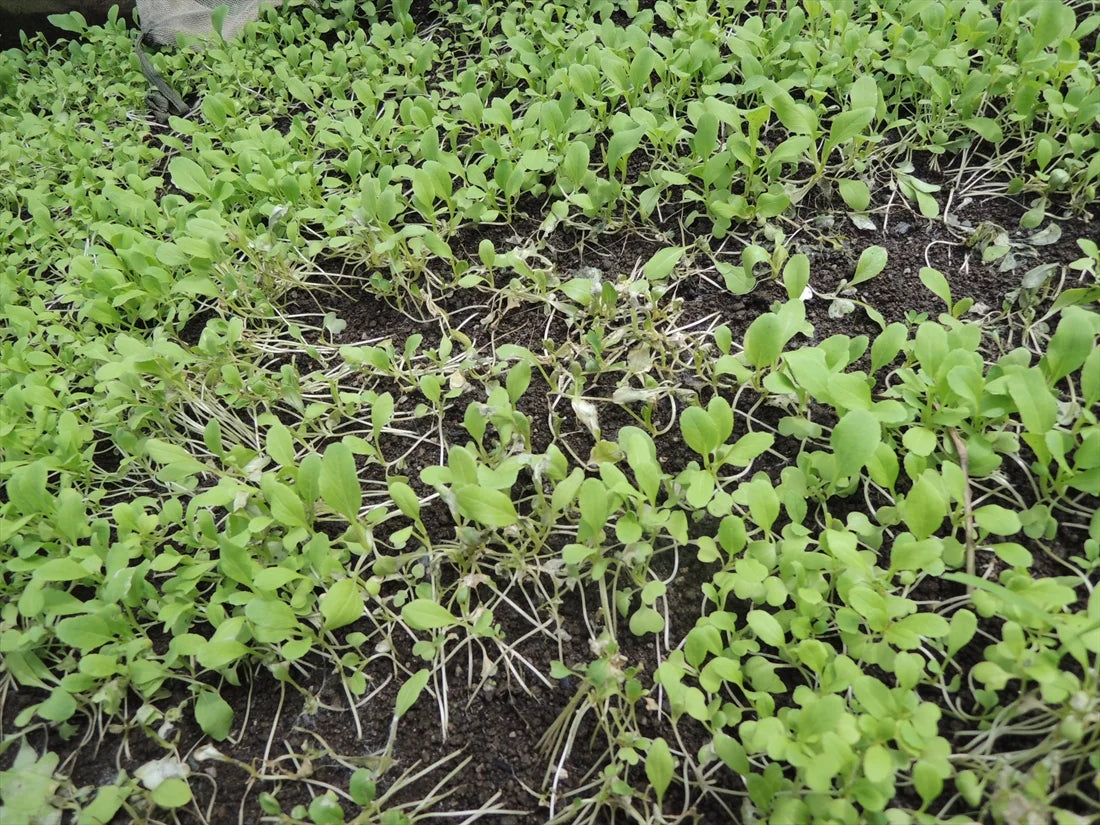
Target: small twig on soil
968, 508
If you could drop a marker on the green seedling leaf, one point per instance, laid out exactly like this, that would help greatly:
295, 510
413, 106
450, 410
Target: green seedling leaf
919, 441
963, 626
280, 445
766, 627
854, 440
1090, 378
381, 413
272, 614
213, 714
927, 779
326, 810
878, 764
575, 164
699, 431
874, 696
342, 604
850, 124
796, 276
924, 508
339, 483
986, 127
489, 507
1035, 402
887, 345
871, 262
797, 117
519, 378
102, 809
646, 620
1071, 344
361, 786
996, 519
26, 488
732, 752
171, 793
764, 340
747, 448
189, 177
84, 633
937, 284
61, 570
641, 455
659, 767
219, 653
424, 614
405, 498
173, 456
856, 194
286, 506
410, 692
660, 266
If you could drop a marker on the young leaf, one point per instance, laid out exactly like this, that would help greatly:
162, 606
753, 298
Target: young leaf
286, 506
766, 627
887, 345
699, 431
410, 692
796, 276
747, 448
764, 340
641, 455
659, 767
856, 194
1071, 343
848, 125
646, 620
878, 764
1035, 402
924, 508
424, 614
489, 507
213, 714
660, 266
871, 262
172, 793
339, 483
996, 519
854, 440
342, 604
405, 499
937, 283
188, 176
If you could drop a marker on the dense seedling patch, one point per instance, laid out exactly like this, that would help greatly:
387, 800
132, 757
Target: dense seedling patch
569, 413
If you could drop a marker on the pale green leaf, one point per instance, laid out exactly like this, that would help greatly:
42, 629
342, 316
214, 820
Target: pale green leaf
489, 507
342, 604
410, 692
659, 767
424, 614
